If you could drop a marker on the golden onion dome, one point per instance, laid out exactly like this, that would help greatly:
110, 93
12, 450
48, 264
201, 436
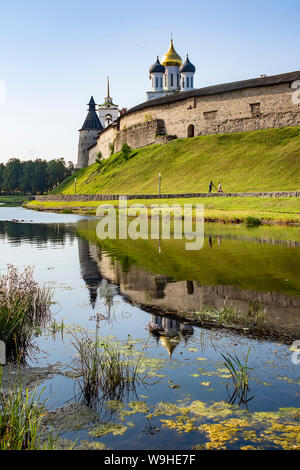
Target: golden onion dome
169, 344
171, 57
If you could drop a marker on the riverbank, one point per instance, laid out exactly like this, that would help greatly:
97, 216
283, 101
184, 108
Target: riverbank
14, 200
279, 210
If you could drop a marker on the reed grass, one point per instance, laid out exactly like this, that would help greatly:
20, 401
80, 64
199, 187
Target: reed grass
21, 416
240, 376
24, 312
100, 367
54, 328
229, 315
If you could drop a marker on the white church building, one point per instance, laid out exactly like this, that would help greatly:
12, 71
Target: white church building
170, 75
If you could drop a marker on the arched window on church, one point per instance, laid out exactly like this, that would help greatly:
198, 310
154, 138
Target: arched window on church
156, 82
161, 82
191, 131
188, 82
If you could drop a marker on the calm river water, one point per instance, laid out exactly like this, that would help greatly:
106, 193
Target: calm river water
126, 281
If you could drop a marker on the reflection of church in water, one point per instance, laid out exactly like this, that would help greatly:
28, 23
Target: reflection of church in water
168, 331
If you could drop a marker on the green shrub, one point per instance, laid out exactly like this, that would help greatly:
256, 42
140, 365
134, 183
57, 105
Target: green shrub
99, 157
125, 151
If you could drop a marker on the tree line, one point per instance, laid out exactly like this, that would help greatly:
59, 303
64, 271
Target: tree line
33, 176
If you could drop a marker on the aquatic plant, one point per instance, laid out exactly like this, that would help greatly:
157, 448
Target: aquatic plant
54, 328
24, 311
102, 366
229, 315
21, 416
240, 376
67, 211
256, 313
252, 221
102, 429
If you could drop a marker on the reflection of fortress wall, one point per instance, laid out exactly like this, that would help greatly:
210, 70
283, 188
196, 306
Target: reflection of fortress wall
157, 291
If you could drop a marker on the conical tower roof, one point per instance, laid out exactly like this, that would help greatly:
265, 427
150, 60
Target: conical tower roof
92, 121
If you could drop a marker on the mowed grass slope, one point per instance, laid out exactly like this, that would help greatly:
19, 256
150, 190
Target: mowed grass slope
264, 160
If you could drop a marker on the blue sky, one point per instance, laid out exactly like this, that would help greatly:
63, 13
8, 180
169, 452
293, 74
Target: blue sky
55, 54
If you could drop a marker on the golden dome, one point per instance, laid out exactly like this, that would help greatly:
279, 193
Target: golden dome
171, 57
169, 343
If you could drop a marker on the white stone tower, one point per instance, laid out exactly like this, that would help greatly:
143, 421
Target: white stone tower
187, 72
108, 111
88, 134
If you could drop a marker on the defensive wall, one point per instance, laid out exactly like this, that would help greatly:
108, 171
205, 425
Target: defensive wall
248, 105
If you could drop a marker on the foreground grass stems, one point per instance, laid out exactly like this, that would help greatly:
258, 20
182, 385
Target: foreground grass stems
24, 311
100, 366
21, 416
240, 377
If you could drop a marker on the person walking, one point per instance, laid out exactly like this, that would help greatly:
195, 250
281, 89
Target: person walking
211, 185
220, 187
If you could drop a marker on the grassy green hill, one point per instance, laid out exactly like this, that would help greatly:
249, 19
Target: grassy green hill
250, 161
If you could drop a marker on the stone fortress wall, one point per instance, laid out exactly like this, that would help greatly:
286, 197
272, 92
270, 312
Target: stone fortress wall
140, 134
255, 104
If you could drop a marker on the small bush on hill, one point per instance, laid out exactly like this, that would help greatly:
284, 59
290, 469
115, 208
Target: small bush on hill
125, 151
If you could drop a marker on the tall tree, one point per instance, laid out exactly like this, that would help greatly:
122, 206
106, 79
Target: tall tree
57, 171
27, 179
40, 176
2, 170
13, 175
